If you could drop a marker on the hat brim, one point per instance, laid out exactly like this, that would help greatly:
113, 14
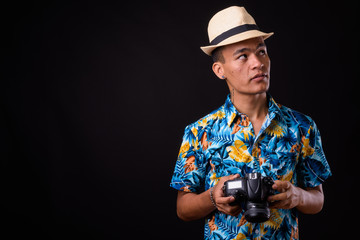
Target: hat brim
236, 38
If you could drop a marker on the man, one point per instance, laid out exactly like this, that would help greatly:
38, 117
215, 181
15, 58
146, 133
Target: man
249, 133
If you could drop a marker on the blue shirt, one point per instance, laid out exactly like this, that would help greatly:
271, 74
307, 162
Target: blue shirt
288, 147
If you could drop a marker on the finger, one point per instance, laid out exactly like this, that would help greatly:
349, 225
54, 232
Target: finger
282, 186
232, 177
225, 200
278, 204
284, 204
230, 210
278, 197
235, 211
218, 192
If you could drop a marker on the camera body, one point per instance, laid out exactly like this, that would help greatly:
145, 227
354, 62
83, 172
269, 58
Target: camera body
251, 192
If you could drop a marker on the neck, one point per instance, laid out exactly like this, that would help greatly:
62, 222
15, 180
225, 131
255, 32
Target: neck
254, 106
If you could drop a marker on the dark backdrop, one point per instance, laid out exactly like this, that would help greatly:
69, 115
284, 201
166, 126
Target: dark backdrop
95, 97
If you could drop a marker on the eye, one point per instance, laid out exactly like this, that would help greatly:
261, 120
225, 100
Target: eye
262, 52
242, 57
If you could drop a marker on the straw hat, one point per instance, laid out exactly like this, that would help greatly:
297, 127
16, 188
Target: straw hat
231, 25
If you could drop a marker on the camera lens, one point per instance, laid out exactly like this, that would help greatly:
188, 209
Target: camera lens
257, 212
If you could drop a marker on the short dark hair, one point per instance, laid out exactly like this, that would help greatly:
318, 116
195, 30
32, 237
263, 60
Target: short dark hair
217, 55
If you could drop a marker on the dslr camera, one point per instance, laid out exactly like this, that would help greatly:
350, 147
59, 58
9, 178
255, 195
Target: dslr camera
251, 192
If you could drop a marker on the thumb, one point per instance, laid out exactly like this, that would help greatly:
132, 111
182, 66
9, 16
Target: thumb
225, 200
232, 177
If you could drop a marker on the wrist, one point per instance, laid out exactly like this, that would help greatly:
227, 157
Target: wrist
300, 197
212, 197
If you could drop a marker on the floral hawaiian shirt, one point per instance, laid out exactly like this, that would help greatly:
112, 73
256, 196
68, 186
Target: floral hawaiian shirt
288, 147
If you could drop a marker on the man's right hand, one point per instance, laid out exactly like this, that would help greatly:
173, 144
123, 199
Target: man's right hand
222, 202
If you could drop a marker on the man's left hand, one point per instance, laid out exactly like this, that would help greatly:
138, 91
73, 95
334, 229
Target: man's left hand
289, 196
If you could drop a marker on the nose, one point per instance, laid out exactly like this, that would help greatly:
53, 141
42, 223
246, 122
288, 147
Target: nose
255, 62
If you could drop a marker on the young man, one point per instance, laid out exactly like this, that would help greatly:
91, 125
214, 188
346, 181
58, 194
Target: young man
250, 133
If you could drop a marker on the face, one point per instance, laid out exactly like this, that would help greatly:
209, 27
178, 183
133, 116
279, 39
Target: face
246, 67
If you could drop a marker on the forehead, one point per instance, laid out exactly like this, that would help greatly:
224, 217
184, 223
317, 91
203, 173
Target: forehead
250, 44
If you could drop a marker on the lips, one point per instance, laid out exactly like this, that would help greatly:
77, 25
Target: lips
259, 77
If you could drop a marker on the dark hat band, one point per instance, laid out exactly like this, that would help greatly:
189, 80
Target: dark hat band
233, 31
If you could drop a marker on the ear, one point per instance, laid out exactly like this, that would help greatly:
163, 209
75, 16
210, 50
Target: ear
218, 69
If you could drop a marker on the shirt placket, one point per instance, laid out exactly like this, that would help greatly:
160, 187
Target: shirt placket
241, 122
244, 119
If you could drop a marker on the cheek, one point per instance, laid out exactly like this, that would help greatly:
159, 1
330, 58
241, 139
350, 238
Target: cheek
239, 72
239, 77
267, 63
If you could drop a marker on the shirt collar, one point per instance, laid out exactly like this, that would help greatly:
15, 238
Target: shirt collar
231, 112
274, 108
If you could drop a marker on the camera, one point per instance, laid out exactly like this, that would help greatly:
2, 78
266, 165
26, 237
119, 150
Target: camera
251, 192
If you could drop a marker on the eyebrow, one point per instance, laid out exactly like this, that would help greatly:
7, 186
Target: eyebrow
241, 50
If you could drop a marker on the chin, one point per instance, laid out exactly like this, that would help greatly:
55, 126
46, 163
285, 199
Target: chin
263, 87
260, 90
255, 89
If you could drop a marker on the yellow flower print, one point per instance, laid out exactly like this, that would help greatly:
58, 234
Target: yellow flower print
242, 221
247, 131
195, 144
275, 129
287, 176
239, 152
306, 149
231, 119
213, 179
262, 229
203, 122
184, 148
194, 131
219, 114
275, 219
240, 236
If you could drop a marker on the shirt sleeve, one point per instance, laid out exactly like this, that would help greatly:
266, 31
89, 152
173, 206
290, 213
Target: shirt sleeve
313, 166
189, 173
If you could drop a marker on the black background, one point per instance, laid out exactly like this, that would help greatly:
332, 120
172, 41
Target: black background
95, 97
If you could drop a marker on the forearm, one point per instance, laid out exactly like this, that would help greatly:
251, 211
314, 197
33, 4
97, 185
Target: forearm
193, 206
311, 200
308, 201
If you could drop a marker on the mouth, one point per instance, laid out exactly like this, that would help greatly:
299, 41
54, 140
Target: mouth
259, 77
